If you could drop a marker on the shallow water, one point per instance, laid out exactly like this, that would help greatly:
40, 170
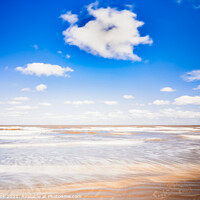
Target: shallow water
50, 156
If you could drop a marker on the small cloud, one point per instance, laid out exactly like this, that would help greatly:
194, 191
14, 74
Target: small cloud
193, 75
60, 52
35, 46
111, 103
40, 69
137, 113
197, 88
67, 56
111, 34
195, 3
69, 17
16, 113
146, 61
138, 104
41, 87
128, 96
161, 102
14, 102
185, 100
25, 89
164, 113
116, 114
6, 68
79, 102
94, 113
45, 104
129, 6
167, 89
174, 113
22, 108
21, 99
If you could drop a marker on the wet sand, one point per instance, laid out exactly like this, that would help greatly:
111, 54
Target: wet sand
100, 162
123, 189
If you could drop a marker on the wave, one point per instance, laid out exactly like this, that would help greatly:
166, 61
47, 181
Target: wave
80, 143
193, 137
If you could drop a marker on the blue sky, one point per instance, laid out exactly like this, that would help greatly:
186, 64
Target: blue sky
105, 62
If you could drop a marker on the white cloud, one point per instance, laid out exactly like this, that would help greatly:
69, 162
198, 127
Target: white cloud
138, 104
197, 88
25, 89
137, 113
128, 97
194, 75
184, 100
69, 17
116, 114
164, 113
110, 115
167, 89
22, 108
174, 113
195, 3
111, 34
60, 52
45, 104
67, 56
111, 103
79, 102
161, 102
16, 113
41, 87
14, 102
40, 69
21, 99
93, 113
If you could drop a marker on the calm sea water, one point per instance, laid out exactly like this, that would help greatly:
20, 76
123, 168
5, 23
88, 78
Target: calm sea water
52, 156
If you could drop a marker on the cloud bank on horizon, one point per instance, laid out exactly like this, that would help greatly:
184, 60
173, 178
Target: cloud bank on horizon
111, 34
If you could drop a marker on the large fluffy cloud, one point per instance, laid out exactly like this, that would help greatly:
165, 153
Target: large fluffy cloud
184, 100
193, 75
111, 34
40, 69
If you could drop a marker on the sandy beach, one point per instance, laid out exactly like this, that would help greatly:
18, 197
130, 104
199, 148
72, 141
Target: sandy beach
100, 162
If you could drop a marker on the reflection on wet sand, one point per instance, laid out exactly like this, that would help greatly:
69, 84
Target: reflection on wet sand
121, 189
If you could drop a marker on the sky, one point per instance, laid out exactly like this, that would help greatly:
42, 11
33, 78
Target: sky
122, 62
